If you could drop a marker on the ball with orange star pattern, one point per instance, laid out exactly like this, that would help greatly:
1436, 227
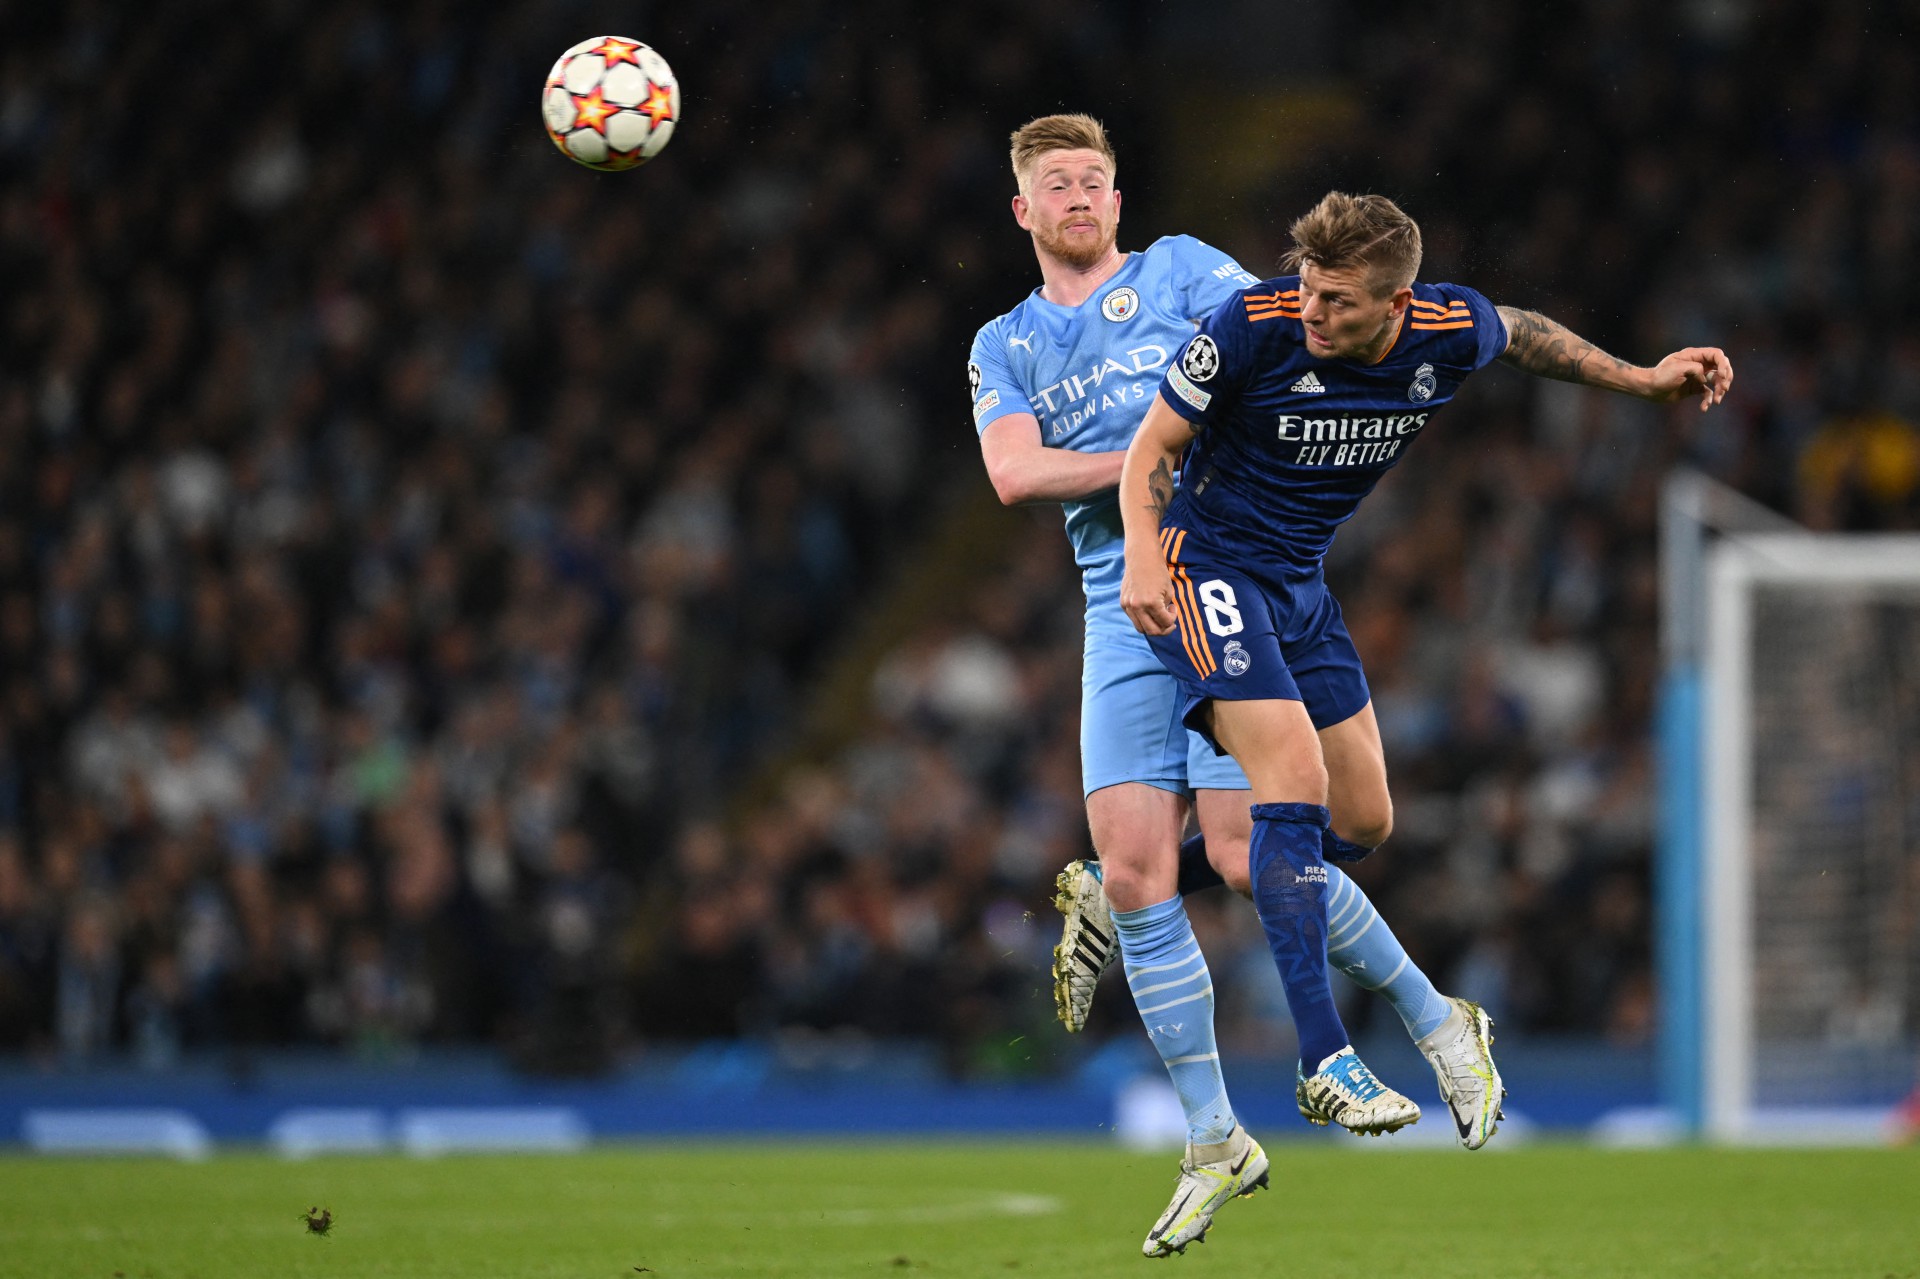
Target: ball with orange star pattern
610, 103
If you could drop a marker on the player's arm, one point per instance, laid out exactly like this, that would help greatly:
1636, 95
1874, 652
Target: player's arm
1025, 470
1540, 346
1146, 489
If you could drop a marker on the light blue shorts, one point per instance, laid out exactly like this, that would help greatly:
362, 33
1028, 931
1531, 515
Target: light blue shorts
1130, 707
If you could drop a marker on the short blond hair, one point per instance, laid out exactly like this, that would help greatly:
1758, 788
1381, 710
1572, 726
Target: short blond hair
1057, 133
1370, 231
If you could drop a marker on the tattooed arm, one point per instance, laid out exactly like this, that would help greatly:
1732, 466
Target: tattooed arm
1160, 489
1539, 346
1146, 490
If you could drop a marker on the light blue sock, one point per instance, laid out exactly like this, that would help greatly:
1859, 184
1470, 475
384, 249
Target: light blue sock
1360, 944
1174, 993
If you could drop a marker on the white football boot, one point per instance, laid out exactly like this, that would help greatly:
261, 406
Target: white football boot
1461, 1050
1088, 944
1239, 1169
1343, 1091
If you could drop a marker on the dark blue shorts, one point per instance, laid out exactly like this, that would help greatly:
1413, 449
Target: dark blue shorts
1247, 640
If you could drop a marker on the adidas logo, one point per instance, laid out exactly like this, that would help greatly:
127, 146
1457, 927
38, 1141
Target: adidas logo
1310, 384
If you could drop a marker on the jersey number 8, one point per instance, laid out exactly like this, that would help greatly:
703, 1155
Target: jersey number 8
1222, 609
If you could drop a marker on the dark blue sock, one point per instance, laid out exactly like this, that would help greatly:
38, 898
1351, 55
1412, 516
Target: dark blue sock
1335, 849
1196, 872
1290, 893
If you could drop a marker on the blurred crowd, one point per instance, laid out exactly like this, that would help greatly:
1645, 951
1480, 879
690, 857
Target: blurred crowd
414, 548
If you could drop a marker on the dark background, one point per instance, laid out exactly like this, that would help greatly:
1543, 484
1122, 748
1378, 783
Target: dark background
451, 597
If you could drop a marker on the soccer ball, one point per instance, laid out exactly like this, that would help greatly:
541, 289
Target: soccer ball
610, 103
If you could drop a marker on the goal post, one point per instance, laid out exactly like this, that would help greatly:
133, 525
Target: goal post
1789, 875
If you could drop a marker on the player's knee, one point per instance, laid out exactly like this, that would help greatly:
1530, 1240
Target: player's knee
1133, 876
1128, 887
1369, 830
1229, 859
1293, 781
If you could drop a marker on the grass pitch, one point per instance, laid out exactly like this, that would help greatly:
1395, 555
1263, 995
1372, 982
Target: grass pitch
963, 1209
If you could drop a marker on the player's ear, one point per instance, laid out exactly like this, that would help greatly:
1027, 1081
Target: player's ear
1116, 204
1020, 207
1401, 300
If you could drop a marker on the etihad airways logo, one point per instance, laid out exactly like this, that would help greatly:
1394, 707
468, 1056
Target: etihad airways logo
1071, 390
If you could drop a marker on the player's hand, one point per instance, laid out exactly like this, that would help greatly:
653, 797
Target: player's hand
1704, 371
1146, 593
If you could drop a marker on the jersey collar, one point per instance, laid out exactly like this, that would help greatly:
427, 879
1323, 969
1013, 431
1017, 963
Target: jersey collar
1127, 264
1393, 345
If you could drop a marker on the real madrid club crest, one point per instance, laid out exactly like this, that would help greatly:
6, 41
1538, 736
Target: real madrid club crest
1423, 386
1201, 360
1121, 304
1235, 659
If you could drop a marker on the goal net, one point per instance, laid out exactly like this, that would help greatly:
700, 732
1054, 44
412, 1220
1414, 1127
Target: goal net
1808, 854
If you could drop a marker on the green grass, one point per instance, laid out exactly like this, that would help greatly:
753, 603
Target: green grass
958, 1209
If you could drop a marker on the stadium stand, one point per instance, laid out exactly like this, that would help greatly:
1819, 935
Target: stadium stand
415, 553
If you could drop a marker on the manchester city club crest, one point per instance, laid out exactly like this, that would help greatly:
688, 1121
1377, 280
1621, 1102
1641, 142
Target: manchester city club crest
973, 381
1202, 358
1423, 386
1234, 659
1121, 304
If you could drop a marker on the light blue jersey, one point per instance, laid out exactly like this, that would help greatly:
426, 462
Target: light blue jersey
1088, 374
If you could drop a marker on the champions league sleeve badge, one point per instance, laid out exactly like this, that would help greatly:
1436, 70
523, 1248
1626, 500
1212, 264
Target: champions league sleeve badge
1121, 304
973, 381
1202, 359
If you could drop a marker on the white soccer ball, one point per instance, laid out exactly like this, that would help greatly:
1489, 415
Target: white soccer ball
610, 103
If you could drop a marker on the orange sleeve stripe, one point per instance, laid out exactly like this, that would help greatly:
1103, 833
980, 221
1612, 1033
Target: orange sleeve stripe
1456, 324
1270, 297
1435, 306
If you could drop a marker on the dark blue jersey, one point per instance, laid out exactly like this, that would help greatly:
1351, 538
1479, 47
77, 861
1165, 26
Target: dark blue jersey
1289, 441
